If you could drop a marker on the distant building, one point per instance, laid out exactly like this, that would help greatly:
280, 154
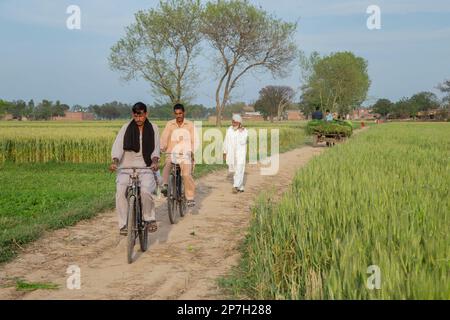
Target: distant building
434, 114
252, 116
75, 116
294, 115
6, 117
363, 114
248, 109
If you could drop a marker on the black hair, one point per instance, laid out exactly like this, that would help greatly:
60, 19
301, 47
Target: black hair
328, 110
139, 107
178, 106
317, 108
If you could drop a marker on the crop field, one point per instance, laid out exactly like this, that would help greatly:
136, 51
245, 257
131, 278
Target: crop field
380, 201
90, 142
54, 174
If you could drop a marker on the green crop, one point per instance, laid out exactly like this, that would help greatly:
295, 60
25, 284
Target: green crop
381, 199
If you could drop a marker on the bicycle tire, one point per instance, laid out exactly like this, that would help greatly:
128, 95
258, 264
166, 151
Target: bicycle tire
182, 199
142, 231
171, 199
131, 236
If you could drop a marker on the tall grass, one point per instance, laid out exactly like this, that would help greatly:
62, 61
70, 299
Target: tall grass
90, 142
382, 199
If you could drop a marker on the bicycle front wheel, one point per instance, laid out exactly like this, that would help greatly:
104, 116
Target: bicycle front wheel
182, 198
143, 231
171, 199
131, 237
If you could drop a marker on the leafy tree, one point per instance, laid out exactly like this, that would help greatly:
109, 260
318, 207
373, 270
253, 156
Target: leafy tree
402, 109
273, 100
232, 108
423, 101
245, 38
78, 108
111, 110
18, 109
30, 109
58, 110
383, 107
43, 111
160, 48
162, 111
165, 112
338, 82
409, 107
4, 107
198, 111
445, 88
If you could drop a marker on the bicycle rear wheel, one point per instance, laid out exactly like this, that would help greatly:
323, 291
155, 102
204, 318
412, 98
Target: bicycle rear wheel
131, 237
142, 230
171, 199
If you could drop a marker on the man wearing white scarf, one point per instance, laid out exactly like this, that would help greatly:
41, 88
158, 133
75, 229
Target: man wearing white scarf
235, 151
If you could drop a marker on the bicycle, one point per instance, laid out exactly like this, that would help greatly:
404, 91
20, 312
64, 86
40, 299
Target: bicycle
135, 223
176, 197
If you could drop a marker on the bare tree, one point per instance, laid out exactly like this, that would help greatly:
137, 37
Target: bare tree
160, 47
246, 38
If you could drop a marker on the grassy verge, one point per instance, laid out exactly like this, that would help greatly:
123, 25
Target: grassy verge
380, 200
39, 197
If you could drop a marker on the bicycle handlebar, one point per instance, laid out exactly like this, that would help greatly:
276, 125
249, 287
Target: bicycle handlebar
179, 153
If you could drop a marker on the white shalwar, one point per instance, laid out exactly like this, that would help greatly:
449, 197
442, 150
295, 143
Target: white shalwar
146, 177
235, 148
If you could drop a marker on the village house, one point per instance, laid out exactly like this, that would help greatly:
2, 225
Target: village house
293, 115
6, 117
75, 116
434, 114
250, 114
363, 114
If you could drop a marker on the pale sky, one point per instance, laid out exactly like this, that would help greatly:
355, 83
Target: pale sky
41, 59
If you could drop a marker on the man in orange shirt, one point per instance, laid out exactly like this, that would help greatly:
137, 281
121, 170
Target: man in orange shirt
178, 142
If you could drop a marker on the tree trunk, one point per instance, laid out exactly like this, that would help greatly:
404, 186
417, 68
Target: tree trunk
218, 116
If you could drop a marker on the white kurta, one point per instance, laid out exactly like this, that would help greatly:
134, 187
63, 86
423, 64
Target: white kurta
235, 148
146, 178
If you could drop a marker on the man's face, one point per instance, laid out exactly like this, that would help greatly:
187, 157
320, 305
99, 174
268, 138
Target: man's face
140, 118
179, 115
235, 124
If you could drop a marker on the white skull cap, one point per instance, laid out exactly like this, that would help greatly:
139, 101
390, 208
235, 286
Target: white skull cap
237, 118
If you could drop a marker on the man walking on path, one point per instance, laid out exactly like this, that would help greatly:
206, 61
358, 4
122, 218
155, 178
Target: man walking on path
136, 145
235, 152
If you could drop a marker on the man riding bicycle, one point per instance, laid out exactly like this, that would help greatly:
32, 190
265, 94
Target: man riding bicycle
136, 145
178, 141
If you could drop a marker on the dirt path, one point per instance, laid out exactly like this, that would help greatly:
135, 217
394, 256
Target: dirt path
178, 265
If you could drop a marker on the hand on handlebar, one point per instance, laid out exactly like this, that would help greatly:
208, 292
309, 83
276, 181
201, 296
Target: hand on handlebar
155, 165
114, 165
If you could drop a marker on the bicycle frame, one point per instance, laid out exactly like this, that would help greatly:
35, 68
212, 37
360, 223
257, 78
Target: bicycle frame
175, 171
134, 189
176, 199
137, 227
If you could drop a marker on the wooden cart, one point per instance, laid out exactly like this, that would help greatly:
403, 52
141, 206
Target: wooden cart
329, 138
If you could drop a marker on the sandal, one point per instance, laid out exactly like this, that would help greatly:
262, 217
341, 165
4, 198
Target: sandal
152, 226
190, 203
